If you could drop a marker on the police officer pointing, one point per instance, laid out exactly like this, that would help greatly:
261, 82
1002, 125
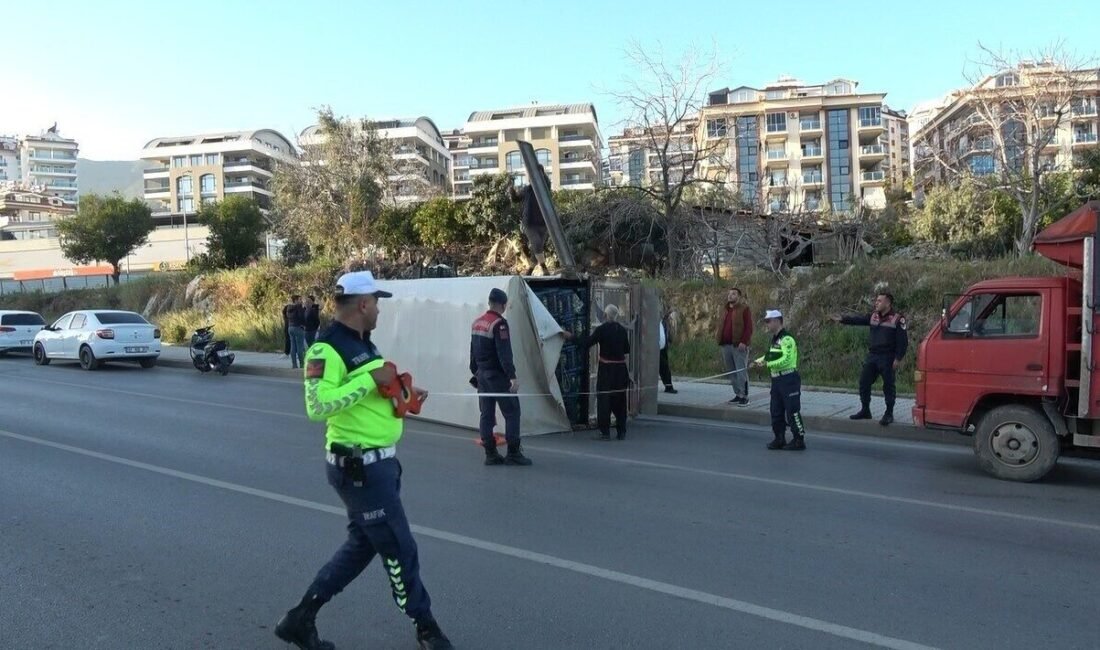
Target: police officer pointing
344, 371
889, 341
494, 372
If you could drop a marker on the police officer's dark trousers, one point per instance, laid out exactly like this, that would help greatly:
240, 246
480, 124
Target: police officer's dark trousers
612, 381
497, 382
786, 405
376, 526
875, 366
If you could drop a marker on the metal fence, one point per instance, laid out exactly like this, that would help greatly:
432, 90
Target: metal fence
56, 284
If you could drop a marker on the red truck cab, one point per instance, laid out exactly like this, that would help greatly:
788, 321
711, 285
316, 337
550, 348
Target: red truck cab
1011, 364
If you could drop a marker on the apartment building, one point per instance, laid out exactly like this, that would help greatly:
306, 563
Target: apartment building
897, 147
422, 160
790, 146
45, 163
1057, 103
184, 172
566, 138
26, 214
633, 159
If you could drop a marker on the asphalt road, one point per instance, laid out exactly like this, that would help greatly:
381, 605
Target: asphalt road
166, 509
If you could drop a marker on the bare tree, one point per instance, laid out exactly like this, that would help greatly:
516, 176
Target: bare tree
663, 101
1008, 134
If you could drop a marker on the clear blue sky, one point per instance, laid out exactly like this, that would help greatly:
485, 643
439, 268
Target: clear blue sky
115, 73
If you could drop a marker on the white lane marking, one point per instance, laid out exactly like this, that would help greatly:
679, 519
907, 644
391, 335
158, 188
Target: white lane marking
740, 606
667, 466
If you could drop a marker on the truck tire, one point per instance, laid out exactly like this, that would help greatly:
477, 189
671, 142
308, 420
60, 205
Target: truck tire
1016, 443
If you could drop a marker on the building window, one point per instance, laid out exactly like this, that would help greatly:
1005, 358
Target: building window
196, 160
1008, 79
183, 186
840, 160
982, 165
211, 159
716, 128
777, 122
839, 88
748, 156
206, 184
514, 161
543, 156
185, 204
776, 94
636, 167
744, 96
870, 116
179, 161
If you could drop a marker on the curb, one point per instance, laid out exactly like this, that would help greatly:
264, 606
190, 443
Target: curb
765, 385
244, 369
820, 423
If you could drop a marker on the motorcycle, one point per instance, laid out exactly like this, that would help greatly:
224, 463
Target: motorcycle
208, 354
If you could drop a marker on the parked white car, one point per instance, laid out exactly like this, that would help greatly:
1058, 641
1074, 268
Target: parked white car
96, 336
17, 330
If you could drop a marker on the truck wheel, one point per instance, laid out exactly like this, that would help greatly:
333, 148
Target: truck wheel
1016, 443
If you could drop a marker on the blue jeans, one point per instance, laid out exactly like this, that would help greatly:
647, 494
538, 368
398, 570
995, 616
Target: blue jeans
376, 526
297, 346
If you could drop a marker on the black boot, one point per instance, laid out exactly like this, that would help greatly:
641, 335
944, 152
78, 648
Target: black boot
863, 414
778, 442
603, 437
299, 626
796, 444
430, 637
887, 418
493, 457
515, 456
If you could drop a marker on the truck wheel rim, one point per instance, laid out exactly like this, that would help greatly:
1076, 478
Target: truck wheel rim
1014, 444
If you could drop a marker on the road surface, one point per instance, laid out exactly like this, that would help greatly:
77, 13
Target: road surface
168, 509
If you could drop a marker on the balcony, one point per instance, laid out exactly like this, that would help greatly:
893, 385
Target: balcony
812, 152
1084, 139
484, 145
871, 126
872, 152
576, 163
575, 142
809, 125
54, 171
873, 177
154, 172
53, 155
812, 178
578, 183
245, 166
157, 192
1085, 112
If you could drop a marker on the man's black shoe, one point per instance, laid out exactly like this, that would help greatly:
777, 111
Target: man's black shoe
602, 437
777, 443
515, 456
430, 637
493, 457
887, 419
797, 444
670, 389
862, 414
299, 626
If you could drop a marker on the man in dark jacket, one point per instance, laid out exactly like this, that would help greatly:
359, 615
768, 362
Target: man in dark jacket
888, 344
612, 376
532, 223
312, 320
734, 336
294, 317
495, 373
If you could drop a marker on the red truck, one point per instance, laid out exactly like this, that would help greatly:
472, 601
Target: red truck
1014, 361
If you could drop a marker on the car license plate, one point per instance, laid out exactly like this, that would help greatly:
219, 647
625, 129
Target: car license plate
136, 350
25, 342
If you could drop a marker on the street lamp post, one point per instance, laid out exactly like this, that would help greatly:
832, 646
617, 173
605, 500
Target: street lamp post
186, 238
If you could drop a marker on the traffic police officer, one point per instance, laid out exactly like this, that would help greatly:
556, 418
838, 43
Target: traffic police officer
782, 361
494, 372
889, 342
344, 371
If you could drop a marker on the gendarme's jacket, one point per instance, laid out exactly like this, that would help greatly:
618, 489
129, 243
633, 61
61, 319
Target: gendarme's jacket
341, 392
888, 333
491, 346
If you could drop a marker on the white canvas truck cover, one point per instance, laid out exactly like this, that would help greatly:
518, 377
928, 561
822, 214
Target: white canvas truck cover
425, 330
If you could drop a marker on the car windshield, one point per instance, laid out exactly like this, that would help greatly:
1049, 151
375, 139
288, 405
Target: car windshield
119, 318
21, 319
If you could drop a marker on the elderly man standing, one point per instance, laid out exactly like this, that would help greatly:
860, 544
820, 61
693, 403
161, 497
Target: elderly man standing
612, 376
734, 337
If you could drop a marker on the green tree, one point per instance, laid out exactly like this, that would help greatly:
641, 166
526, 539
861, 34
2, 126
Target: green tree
489, 211
340, 186
105, 229
442, 226
969, 218
393, 230
237, 229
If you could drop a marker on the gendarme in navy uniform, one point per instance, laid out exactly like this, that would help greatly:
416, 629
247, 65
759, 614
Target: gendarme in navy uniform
888, 344
343, 376
494, 376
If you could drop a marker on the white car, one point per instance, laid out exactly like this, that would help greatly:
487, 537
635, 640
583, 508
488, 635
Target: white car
17, 330
96, 336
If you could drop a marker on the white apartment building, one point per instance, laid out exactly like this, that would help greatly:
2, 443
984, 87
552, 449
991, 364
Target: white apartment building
897, 146
28, 215
566, 138
633, 160
422, 160
790, 146
44, 163
184, 172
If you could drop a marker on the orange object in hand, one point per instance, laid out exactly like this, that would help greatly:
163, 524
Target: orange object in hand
400, 391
